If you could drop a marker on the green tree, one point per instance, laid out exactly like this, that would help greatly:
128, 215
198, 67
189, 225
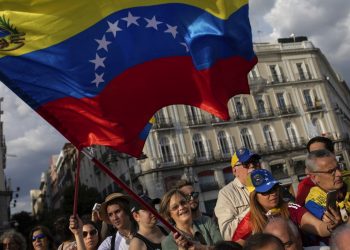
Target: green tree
23, 222
87, 197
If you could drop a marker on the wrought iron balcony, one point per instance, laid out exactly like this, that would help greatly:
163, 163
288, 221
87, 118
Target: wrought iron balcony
267, 113
169, 160
242, 116
194, 120
275, 79
286, 110
164, 122
317, 106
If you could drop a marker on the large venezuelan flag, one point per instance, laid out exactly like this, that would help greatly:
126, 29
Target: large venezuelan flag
98, 70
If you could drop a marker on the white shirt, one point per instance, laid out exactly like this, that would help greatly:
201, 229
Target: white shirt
119, 243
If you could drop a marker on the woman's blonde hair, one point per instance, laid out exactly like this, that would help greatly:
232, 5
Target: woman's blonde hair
258, 218
164, 204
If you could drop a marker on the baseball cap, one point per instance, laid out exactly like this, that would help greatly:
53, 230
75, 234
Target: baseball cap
243, 156
262, 180
113, 196
151, 202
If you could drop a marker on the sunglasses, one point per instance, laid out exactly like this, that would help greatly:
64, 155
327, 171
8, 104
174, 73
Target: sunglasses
271, 191
182, 203
38, 237
92, 233
193, 195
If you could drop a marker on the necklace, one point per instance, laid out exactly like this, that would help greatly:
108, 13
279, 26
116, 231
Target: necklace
128, 237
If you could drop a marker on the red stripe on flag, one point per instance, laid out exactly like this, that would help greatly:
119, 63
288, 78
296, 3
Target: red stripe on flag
119, 113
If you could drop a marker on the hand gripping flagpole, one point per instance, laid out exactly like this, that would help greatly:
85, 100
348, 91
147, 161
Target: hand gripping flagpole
101, 166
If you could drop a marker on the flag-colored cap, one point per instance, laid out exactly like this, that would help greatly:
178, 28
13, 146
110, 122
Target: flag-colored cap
262, 180
243, 155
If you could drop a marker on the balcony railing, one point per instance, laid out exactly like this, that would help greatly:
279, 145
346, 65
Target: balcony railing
242, 116
286, 110
196, 120
275, 79
303, 77
317, 106
280, 146
169, 161
163, 123
267, 113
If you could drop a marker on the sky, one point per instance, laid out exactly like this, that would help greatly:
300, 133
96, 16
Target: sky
31, 140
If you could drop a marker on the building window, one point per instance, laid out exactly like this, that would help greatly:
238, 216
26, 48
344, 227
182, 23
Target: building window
253, 74
207, 181
308, 98
170, 181
261, 107
165, 148
303, 71
228, 175
223, 143
279, 171
281, 101
199, 146
246, 139
269, 137
194, 115
239, 108
292, 136
276, 73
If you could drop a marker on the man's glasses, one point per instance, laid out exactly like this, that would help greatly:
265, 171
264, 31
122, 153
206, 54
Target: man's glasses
91, 233
330, 171
38, 237
193, 195
271, 191
175, 207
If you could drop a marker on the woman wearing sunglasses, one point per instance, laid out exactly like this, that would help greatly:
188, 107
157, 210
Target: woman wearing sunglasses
85, 233
266, 202
41, 239
202, 232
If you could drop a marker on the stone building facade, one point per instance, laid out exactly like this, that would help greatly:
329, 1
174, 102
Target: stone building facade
295, 95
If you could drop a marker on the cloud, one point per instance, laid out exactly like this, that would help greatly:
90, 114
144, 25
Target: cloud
30, 142
325, 23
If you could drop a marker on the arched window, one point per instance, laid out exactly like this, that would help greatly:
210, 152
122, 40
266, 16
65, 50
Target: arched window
166, 151
246, 138
269, 137
291, 133
223, 143
194, 115
239, 108
199, 146
261, 106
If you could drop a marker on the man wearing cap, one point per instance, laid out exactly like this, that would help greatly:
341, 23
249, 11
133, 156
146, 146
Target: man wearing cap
149, 235
115, 210
233, 200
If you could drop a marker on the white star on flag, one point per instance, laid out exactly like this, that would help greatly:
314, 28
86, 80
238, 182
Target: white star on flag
98, 61
98, 79
113, 28
172, 30
103, 43
152, 23
130, 19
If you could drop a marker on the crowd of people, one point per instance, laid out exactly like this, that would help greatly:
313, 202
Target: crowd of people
252, 212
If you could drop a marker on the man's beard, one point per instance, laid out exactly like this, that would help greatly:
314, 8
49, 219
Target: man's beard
195, 209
